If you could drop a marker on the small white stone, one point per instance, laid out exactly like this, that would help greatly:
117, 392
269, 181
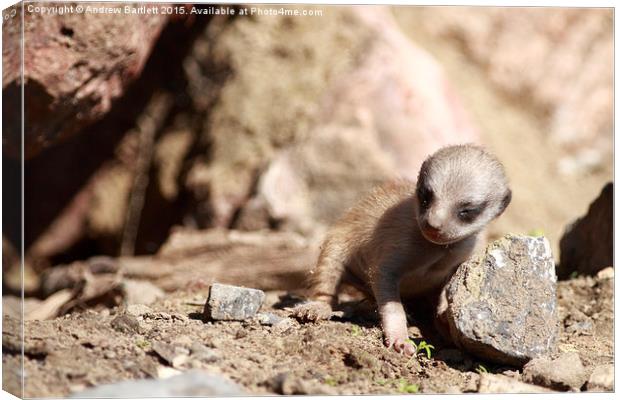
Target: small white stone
166, 372
601, 379
606, 273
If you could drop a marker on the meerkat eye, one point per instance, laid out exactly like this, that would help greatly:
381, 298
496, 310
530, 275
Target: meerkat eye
468, 212
425, 196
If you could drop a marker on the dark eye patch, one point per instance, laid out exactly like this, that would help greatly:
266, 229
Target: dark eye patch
425, 196
468, 212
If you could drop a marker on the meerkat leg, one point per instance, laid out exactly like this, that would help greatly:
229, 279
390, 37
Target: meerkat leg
393, 318
325, 280
441, 315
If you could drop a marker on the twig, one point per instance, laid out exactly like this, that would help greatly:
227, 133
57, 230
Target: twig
149, 123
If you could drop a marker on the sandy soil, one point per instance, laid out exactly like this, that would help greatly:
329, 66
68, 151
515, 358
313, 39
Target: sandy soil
342, 356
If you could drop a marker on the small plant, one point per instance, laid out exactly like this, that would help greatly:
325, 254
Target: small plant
481, 369
406, 387
536, 232
427, 347
381, 381
142, 343
573, 275
356, 330
330, 381
420, 348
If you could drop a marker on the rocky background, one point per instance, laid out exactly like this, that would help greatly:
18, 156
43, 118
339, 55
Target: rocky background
163, 154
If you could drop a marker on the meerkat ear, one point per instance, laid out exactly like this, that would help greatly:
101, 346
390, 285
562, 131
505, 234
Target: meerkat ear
505, 201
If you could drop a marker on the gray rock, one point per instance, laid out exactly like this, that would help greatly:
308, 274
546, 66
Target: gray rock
601, 379
203, 353
472, 382
192, 383
587, 244
126, 323
502, 303
268, 319
490, 383
283, 326
173, 355
228, 302
565, 372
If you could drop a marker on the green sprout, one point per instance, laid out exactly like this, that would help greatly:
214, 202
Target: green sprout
330, 381
427, 347
356, 330
406, 387
421, 347
481, 369
381, 381
141, 343
536, 232
573, 275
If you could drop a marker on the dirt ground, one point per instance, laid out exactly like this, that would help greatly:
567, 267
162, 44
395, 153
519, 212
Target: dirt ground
341, 356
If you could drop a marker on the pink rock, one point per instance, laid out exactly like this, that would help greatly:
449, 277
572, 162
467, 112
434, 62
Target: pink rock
379, 120
75, 66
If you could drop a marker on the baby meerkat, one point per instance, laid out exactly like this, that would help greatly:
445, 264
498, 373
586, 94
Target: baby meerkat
405, 239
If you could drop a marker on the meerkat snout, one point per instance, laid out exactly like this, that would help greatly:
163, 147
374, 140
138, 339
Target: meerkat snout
460, 189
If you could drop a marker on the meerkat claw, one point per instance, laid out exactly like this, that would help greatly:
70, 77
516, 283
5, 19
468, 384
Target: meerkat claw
312, 311
401, 346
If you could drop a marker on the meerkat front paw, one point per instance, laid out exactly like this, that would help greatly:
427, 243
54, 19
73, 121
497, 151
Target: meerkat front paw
312, 311
401, 344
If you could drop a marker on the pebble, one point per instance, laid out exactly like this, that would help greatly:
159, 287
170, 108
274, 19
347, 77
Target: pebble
126, 323
605, 273
109, 354
490, 383
231, 303
268, 319
241, 333
511, 373
173, 355
203, 353
601, 379
283, 326
138, 310
566, 372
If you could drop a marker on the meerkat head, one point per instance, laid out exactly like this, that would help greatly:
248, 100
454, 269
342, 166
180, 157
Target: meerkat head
460, 189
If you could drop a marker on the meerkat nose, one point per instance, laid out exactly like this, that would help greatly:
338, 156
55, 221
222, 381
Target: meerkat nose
433, 222
431, 228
